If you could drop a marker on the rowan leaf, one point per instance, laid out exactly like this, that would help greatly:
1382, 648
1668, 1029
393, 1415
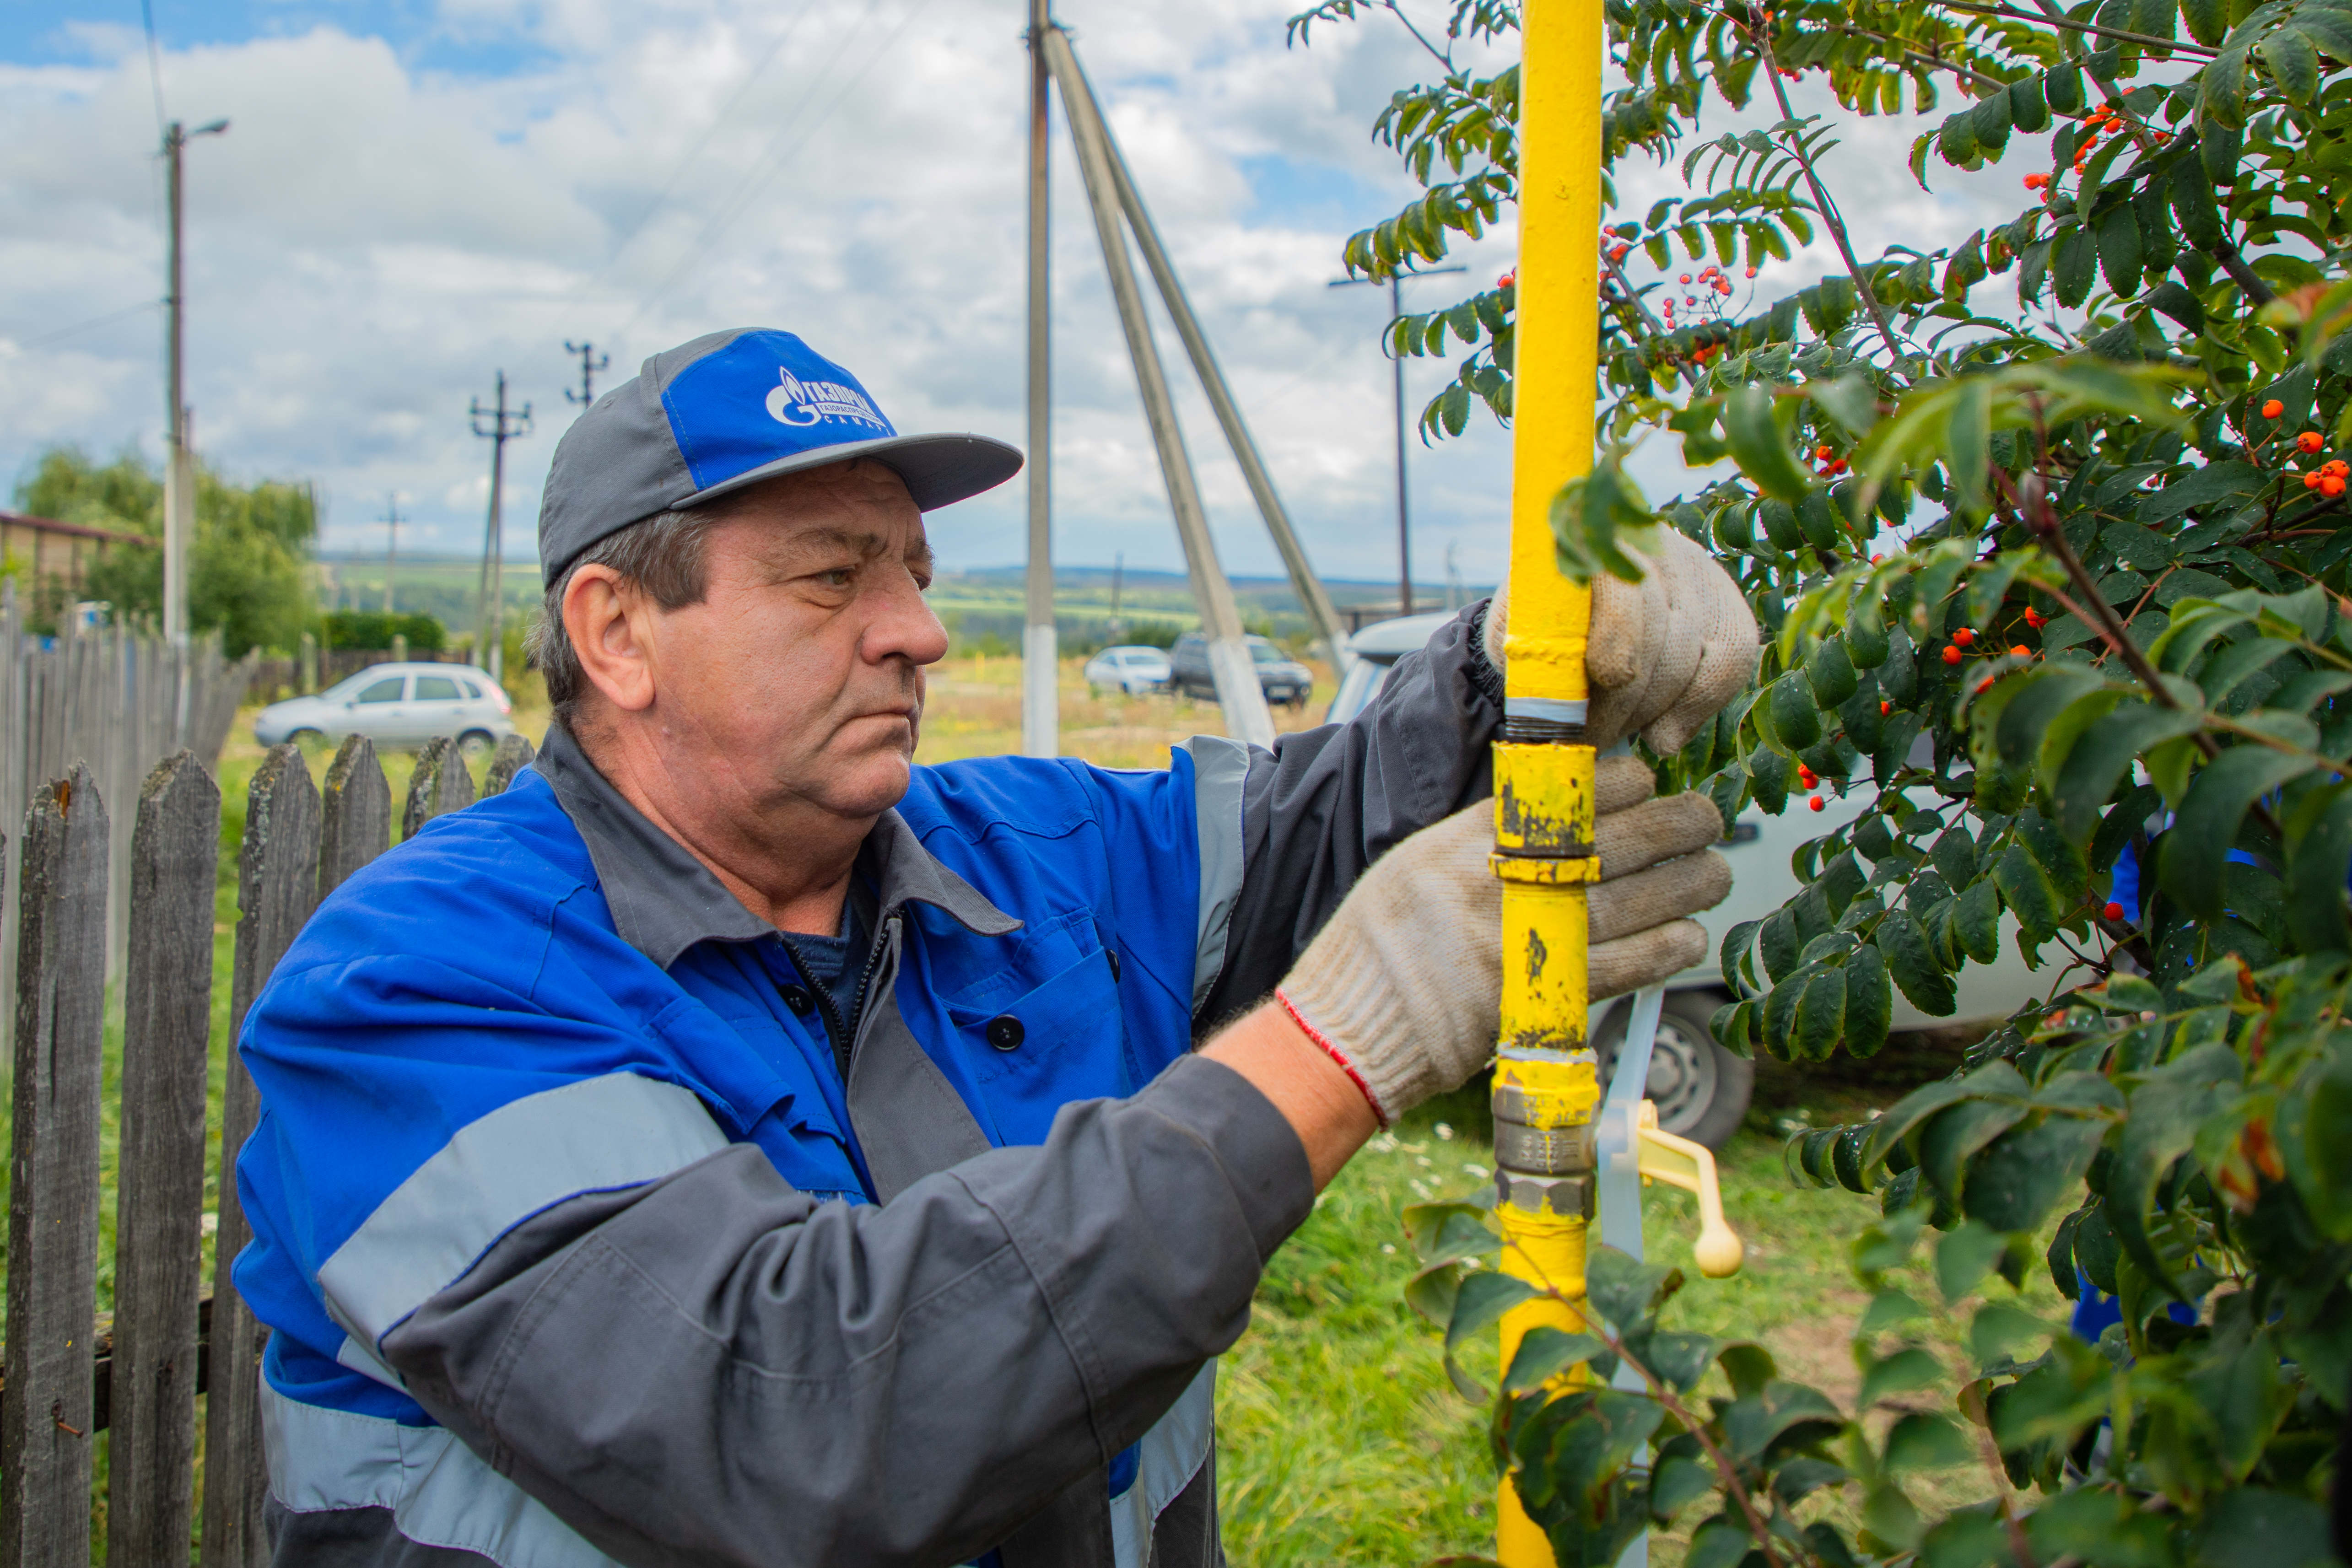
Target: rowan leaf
2119, 249
1761, 446
1911, 964
2205, 829
2288, 55
2319, 861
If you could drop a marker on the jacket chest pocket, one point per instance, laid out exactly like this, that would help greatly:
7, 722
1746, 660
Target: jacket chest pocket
1063, 1039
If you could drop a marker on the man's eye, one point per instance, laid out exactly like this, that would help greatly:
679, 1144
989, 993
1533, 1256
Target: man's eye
839, 577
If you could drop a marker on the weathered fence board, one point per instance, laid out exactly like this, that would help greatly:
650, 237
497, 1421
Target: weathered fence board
160, 1190
514, 755
46, 1423
439, 784
117, 703
358, 821
277, 886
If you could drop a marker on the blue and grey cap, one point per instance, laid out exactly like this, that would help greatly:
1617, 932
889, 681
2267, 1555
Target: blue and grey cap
727, 410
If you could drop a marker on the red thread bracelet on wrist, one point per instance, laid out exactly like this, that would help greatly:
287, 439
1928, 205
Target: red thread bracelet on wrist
1336, 1055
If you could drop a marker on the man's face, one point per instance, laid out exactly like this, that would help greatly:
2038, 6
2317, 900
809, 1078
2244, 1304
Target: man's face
800, 676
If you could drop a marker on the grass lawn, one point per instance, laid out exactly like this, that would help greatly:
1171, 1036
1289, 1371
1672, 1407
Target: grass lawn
1342, 1440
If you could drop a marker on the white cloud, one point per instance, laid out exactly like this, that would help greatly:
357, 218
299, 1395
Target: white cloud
379, 233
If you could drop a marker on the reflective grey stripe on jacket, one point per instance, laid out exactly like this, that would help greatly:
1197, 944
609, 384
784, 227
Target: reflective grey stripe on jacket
597, 1134
1170, 1455
436, 1492
1220, 772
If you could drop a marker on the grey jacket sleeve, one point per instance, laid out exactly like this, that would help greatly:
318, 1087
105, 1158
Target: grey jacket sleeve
1326, 803
714, 1369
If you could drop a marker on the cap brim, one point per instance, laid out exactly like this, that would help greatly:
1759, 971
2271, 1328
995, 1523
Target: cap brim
939, 470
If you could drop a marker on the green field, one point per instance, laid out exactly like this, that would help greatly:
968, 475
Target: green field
982, 608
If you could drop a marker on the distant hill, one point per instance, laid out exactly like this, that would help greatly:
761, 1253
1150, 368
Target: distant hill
983, 607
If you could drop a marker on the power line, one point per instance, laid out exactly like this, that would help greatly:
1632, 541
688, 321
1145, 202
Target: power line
741, 199
45, 338
702, 141
154, 62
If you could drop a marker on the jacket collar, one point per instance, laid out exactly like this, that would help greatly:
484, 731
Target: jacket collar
663, 900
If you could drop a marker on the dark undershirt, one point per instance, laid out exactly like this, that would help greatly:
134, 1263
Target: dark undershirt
834, 963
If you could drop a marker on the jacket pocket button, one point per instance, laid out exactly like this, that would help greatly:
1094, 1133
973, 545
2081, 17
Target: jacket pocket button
798, 999
1005, 1031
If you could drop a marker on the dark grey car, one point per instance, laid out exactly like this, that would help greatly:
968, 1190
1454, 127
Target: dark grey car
1283, 679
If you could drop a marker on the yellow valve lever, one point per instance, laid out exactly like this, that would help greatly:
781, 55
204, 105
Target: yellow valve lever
1678, 1162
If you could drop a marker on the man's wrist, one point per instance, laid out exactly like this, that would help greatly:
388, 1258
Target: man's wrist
1314, 1090
1323, 1042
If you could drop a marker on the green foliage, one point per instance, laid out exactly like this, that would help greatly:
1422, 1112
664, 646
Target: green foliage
374, 629
2039, 586
247, 567
2188, 1140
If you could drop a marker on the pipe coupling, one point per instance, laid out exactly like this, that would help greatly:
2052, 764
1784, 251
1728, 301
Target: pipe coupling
1544, 1151
1538, 1134
1565, 1197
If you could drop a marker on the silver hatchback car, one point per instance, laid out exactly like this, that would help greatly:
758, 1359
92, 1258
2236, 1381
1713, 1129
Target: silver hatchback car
396, 705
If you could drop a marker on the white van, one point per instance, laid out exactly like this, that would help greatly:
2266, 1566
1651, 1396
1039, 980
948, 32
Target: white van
1701, 1089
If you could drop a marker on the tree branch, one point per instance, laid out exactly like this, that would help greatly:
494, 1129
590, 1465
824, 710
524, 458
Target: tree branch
2068, 23
1821, 202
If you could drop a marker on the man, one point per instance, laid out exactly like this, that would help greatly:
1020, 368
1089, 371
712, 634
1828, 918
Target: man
734, 1144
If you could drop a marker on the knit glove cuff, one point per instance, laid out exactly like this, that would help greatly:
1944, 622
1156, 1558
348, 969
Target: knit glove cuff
1403, 985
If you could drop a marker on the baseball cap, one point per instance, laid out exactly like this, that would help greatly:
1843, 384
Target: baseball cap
729, 410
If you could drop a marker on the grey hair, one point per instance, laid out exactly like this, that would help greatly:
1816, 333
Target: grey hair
662, 556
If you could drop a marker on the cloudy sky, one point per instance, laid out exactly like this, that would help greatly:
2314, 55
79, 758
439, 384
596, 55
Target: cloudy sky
414, 194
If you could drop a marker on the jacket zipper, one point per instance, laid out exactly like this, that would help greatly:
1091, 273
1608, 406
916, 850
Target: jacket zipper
838, 1029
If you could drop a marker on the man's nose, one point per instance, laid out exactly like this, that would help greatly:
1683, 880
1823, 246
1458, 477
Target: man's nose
903, 625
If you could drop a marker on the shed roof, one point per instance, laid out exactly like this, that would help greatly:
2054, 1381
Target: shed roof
76, 530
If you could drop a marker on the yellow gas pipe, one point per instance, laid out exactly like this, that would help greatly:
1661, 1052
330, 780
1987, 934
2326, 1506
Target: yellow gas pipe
1546, 1085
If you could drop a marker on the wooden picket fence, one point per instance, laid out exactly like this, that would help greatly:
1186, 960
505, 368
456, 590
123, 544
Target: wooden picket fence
69, 1374
115, 700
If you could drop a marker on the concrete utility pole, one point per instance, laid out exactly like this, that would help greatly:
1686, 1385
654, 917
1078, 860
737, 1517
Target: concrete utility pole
1396, 360
390, 545
505, 425
1312, 599
178, 461
1041, 718
591, 362
1247, 717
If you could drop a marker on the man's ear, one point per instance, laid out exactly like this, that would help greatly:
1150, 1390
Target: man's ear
609, 622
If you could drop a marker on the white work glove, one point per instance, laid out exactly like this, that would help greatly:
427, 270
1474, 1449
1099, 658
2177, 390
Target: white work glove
1403, 986
1664, 653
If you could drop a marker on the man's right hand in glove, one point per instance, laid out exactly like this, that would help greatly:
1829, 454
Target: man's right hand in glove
1399, 996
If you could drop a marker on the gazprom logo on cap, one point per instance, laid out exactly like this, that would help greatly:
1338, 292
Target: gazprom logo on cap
763, 397
798, 402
